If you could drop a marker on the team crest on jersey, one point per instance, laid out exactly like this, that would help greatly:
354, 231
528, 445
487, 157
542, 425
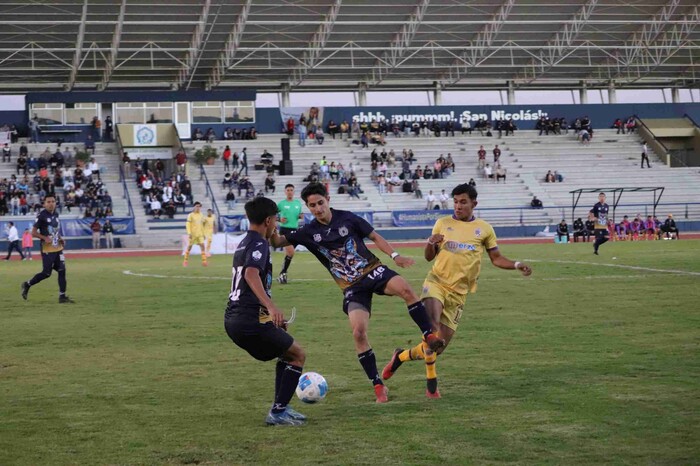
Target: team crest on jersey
477, 232
257, 255
317, 237
343, 231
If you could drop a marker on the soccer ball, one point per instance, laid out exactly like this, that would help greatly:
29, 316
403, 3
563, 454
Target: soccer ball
312, 387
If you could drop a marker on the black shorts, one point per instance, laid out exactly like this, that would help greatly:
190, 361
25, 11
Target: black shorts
262, 341
286, 231
362, 291
600, 233
53, 261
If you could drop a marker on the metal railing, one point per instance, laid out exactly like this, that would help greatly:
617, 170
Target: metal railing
125, 188
210, 192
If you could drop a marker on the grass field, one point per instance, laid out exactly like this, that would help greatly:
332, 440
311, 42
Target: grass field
590, 360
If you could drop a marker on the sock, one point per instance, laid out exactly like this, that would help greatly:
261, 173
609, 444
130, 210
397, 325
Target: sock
62, 281
369, 364
187, 254
288, 384
287, 262
204, 253
413, 354
279, 370
37, 278
430, 371
420, 317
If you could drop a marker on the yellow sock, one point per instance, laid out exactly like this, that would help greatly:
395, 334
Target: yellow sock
187, 254
204, 254
413, 354
430, 370
209, 244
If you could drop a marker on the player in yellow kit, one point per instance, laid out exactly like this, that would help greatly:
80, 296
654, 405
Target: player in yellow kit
195, 233
209, 227
457, 244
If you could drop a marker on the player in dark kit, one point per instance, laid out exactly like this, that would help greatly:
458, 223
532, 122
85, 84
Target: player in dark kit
253, 321
600, 213
48, 229
336, 238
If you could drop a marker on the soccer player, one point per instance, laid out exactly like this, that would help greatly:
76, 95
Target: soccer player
209, 227
195, 233
600, 212
457, 243
336, 238
47, 228
290, 214
253, 321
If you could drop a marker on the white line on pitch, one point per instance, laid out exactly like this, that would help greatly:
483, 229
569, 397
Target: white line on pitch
619, 266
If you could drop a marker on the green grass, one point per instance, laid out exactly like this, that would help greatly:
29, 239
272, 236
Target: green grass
578, 364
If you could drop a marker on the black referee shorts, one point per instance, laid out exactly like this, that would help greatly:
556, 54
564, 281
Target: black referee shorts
262, 341
284, 230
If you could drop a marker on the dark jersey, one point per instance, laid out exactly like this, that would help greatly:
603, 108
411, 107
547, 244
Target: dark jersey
339, 246
253, 251
48, 225
578, 225
600, 212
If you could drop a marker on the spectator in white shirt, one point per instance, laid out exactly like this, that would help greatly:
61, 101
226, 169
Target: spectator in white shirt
155, 208
13, 240
431, 199
488, 171
443, 200
94, 168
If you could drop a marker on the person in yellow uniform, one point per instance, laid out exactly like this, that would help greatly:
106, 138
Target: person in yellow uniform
457, 243
209, 228
195, 233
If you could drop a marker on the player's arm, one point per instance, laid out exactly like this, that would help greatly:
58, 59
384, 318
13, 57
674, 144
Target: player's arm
36, 234
252, 277
432, 247
279, 241
188, 225
386, 248
503, 262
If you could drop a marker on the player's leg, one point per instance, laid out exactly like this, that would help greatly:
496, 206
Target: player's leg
358, 317
190, 243
59, 266
600, 238
398, 286
289, 369
47, 267
288, 256
209, 240
203, 251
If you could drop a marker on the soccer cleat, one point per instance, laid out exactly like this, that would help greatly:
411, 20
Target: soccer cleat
393, 364
208, 254
296, 415
184, 263
282, 419
434, 396
205, 264
432, 389
595, 252
282, 279
434, 342
382, 393
25, 290
65, 300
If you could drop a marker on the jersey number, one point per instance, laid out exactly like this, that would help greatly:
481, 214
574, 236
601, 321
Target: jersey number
235, 281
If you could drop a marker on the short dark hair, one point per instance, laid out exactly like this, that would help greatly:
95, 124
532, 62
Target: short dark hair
48, 195
260, 208
313, 188
601, 193
197, 203
288, 185
467, 189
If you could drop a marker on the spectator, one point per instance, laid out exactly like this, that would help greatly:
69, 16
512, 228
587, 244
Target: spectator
34, 130
444, 198
198, 135
244, 161
472, 182
90, 144
563, 231
466, 127
27, 244
645, 155
631, 124
482, 156
558, 177
181, 161
430, 201
415, 189
590, 227
620, 126
320, 137
670, 229
496, 154
301, 130
269, 184
245, 224
266, 158
155, 208
6, 153
109, 127
580, 230
536, 203
549, 177
488, 172
500, 173
96, 229
227, 158
230, 198
584, 136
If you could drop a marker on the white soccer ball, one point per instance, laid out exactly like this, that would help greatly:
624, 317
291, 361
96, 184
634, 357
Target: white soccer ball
312, 387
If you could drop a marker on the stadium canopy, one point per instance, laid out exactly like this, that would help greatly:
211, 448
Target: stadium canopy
617, 193
336, 44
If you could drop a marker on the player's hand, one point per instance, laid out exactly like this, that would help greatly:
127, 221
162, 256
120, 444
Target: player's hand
276, 315
283, 219
404, 262
436, 239
525, 269
62, 242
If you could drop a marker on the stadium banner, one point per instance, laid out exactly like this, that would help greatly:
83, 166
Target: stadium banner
313, 115
145, 135
230, 223
21, 225
81, 226
417, 218
367, 216
221, 243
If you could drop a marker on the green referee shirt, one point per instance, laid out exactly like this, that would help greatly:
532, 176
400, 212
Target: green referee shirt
291, 211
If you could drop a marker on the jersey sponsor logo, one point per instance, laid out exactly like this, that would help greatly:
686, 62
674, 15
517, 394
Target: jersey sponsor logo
343, 231
456, 246
257, 255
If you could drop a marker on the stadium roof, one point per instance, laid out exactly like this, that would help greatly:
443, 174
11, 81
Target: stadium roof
336, 44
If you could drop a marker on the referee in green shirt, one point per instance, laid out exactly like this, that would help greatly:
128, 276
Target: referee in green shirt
290, 214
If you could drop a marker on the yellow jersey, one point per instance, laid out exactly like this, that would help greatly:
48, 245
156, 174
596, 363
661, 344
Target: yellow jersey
195, 224
458, 261
209, 223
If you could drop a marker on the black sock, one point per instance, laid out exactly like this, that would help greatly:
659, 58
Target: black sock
369, 364
287, 261
279, 370
288, 384
62, 282
420, 317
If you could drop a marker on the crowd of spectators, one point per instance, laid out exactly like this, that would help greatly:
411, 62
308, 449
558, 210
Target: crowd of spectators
627, 125
161, 196
229, 134
553, 177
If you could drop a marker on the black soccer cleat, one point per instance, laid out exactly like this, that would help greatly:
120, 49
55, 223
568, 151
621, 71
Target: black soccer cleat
282, 279
65, 300
25, 290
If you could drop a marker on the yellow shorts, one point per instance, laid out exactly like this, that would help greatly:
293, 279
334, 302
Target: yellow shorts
452, 303
196, 240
